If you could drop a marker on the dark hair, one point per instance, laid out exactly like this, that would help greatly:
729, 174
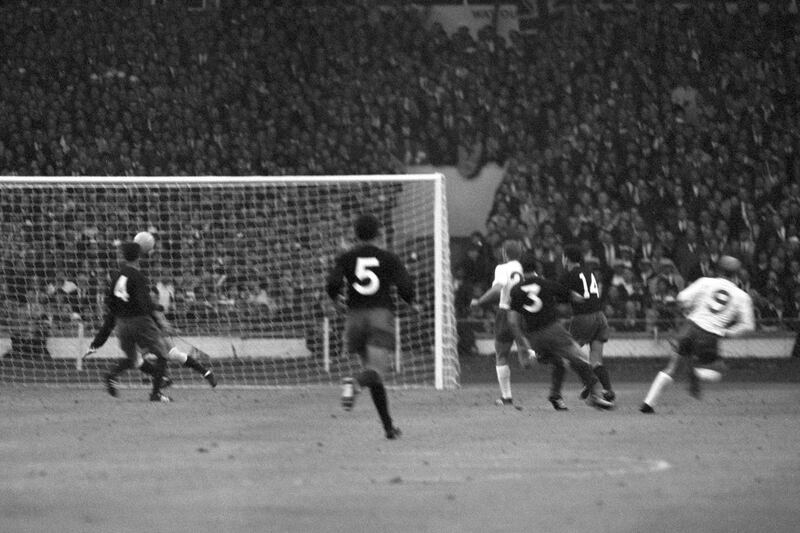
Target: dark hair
366, 227
573, 253
130, 251
528, 261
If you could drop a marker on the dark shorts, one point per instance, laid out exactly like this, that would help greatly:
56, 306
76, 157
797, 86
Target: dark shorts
589, 327
694, 341
369, 332
502, 331
143, 332
554, 343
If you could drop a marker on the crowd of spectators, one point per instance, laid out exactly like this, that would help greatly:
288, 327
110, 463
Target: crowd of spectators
653, 130
662, 138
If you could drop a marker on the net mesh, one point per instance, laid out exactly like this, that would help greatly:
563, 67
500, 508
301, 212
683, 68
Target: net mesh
239, 267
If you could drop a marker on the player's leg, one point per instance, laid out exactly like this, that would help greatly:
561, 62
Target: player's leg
378, 361
599, 338
356, 329
150, 339
562, 346
503, 340
183, 358
127, 343
502, 349
666, 377
704, 364
557, 374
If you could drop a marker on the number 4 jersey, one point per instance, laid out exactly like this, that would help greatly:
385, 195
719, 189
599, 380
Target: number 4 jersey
718, 306
370, 273
129, 294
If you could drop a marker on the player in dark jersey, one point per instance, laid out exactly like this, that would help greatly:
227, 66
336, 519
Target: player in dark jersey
370, 272
174, 354
534, 318
128, 300
589, 324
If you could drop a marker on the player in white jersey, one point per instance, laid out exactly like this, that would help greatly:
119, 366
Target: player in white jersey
715, 308
503, 336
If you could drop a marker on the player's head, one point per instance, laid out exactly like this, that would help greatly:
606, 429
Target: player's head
528, 262
130, 251
512, 250
573, 253
366, 227
729, 266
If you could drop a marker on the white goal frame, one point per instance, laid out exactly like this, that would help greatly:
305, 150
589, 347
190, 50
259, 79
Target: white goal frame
445, 363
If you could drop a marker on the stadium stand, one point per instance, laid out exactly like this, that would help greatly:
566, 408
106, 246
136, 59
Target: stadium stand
642, 131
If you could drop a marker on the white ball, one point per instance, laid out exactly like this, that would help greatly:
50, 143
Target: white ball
145, 240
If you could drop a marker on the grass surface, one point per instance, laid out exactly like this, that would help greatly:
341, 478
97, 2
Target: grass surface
291, 460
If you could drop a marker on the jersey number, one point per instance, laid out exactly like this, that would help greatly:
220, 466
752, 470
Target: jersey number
121, 288
591, 287
532, 291
719, 301
368, 282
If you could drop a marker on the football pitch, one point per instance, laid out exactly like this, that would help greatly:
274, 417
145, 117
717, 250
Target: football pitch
230, 460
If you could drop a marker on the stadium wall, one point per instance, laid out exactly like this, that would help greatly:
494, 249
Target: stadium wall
216, 347
469, 201
772, 347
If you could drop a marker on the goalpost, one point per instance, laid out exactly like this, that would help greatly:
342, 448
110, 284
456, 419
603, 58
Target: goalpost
239, 265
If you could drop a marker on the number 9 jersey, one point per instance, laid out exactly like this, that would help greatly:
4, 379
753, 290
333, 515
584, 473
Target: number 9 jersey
370, 273
718, 306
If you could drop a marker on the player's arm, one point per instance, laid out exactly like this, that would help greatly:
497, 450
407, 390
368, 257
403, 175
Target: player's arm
687, 296
105, 331
747, 319
335, 280
492, 295
403, 283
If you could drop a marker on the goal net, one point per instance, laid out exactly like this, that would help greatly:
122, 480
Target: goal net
239, 266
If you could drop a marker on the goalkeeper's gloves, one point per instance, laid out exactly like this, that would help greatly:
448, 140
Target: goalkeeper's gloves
89, 352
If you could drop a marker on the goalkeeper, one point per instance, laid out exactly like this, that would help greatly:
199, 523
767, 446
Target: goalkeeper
132, 311
174, 354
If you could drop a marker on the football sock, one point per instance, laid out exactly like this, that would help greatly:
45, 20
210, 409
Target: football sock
557, 380
662, 380
195, 365
504, 379
602, 374
147, 367
121, 367
583, 369
378, 393
160, 368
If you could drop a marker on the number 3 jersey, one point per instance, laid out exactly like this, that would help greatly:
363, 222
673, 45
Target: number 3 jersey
370, 273
537, 300
718, 306
129, 294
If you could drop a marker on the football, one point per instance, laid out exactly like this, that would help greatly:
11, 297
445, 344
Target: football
145, 240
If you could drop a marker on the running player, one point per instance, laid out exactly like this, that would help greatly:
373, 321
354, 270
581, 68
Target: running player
534, 321
715, 308
503, 336
370, 273
589, 324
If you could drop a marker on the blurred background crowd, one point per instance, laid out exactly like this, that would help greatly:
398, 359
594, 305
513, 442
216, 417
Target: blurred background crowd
655, 135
